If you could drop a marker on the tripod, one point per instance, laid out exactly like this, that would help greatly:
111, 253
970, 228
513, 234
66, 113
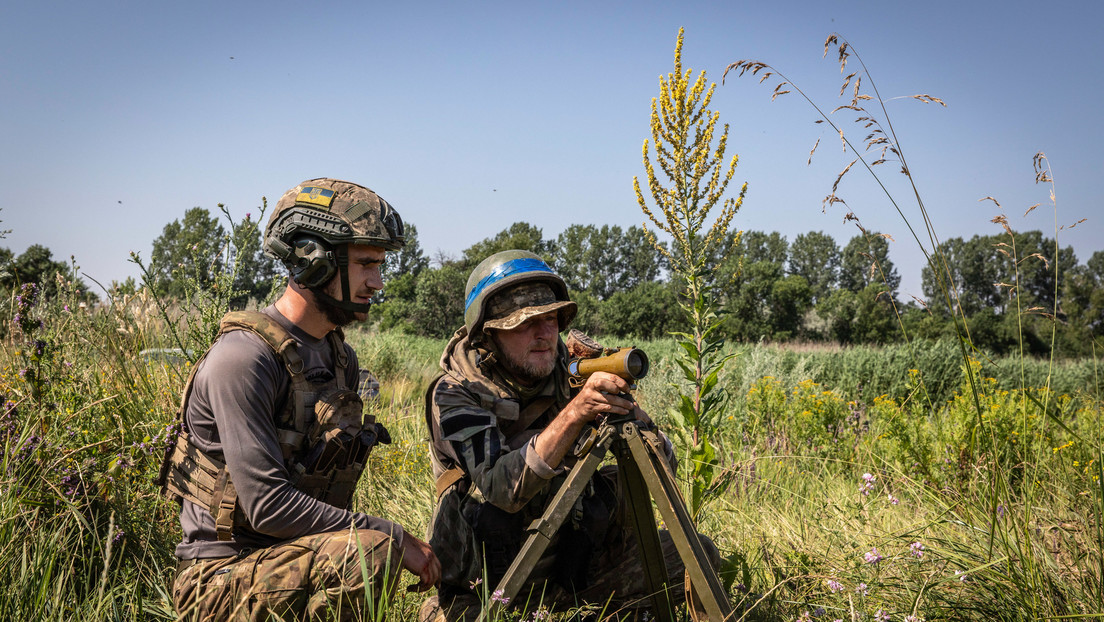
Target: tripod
645, 476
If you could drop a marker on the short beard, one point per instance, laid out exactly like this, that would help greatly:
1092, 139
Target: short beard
333, 313
526, 372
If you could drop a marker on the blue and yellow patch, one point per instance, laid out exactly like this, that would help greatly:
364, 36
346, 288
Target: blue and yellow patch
321, 197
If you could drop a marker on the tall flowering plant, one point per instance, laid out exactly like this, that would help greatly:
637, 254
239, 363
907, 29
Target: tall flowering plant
695, 180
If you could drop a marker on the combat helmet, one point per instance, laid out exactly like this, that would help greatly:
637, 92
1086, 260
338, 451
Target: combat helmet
510, 287
314, 223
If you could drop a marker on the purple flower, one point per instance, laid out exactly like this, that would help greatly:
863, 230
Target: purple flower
917, 550
498, 597
861, 590
913, 618
868, 484
872, 556
893, 500
119, 535
835, 586
881, 616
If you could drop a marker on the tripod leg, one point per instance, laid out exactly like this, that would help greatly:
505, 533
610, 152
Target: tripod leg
680, 525
544, 528
639, 504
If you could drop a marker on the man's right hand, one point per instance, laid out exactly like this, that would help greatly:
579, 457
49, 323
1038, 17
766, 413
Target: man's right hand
600, 396
419, 559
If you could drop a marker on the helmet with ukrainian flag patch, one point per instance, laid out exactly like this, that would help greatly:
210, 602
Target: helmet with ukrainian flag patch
314, 221
508, 288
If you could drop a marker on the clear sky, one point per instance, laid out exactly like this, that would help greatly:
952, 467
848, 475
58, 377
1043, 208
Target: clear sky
117, 117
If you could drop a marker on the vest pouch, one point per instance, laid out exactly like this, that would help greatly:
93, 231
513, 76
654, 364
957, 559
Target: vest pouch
338, 443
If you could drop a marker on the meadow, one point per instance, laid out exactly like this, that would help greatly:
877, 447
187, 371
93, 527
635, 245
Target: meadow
856, 484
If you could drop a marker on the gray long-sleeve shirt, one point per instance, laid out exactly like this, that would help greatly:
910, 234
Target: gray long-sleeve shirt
239, 387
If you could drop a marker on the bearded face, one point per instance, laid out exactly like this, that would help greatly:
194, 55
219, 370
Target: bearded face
529, 351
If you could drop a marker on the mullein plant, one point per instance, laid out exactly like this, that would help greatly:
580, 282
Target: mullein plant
693, 167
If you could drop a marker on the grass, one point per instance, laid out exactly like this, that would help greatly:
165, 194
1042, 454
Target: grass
84, 535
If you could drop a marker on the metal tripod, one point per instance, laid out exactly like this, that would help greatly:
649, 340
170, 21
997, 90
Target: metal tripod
645, 476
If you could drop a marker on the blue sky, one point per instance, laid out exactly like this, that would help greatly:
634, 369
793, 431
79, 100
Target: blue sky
467, 117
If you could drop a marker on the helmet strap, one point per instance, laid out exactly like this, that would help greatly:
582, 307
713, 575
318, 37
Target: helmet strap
341, 253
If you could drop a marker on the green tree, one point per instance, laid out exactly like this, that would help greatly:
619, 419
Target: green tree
438, 308
760, 246
790, 298
520, 236
188, 250
649, 310
257, 275
682, 128
410, 259
865, 260
865, 316
747, 301
37, 265
604, 260
1082, 309
816, 257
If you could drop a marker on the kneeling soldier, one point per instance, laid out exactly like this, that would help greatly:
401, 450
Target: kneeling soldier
274, 438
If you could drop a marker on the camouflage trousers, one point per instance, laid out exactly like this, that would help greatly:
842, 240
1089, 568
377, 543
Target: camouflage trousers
338, 575
616, 587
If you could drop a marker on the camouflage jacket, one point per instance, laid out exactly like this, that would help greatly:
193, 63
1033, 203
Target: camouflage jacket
482, 424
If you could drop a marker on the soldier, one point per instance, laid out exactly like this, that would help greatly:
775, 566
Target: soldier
274, 437
502, 421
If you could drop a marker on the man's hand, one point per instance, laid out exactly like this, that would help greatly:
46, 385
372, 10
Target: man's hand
419, 559
600, 397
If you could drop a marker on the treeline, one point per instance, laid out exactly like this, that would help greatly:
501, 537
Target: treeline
772, 289
778, 290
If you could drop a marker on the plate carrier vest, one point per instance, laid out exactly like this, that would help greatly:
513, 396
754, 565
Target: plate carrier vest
324, 435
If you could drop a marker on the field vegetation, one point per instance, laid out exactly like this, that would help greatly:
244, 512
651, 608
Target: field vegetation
920, 477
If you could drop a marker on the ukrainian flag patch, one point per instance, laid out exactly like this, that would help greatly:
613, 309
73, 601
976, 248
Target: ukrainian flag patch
321, 197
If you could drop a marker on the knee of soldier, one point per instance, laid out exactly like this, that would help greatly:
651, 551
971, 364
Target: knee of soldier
380, 548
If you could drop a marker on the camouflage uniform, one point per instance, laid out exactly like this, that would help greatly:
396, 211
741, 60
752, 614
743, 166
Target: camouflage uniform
485, 423
315, 577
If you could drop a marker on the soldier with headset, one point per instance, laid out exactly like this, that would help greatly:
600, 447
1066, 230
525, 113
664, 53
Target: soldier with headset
274, 438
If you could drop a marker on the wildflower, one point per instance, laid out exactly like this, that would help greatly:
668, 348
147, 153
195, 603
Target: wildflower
119, 535
913, 618
872, 556
835, 586
882, 616
917, 550
804, 617
498, 597
862, 590
868, 484
893, 500
541, 615
961, 576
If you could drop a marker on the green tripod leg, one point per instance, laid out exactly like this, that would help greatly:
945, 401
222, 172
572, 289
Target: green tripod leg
644, 476
544, 528
661, 485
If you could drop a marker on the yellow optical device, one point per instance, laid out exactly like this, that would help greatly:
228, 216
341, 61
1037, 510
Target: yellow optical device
629, 363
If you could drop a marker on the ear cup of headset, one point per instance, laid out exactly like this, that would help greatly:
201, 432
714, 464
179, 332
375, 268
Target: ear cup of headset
312, 261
